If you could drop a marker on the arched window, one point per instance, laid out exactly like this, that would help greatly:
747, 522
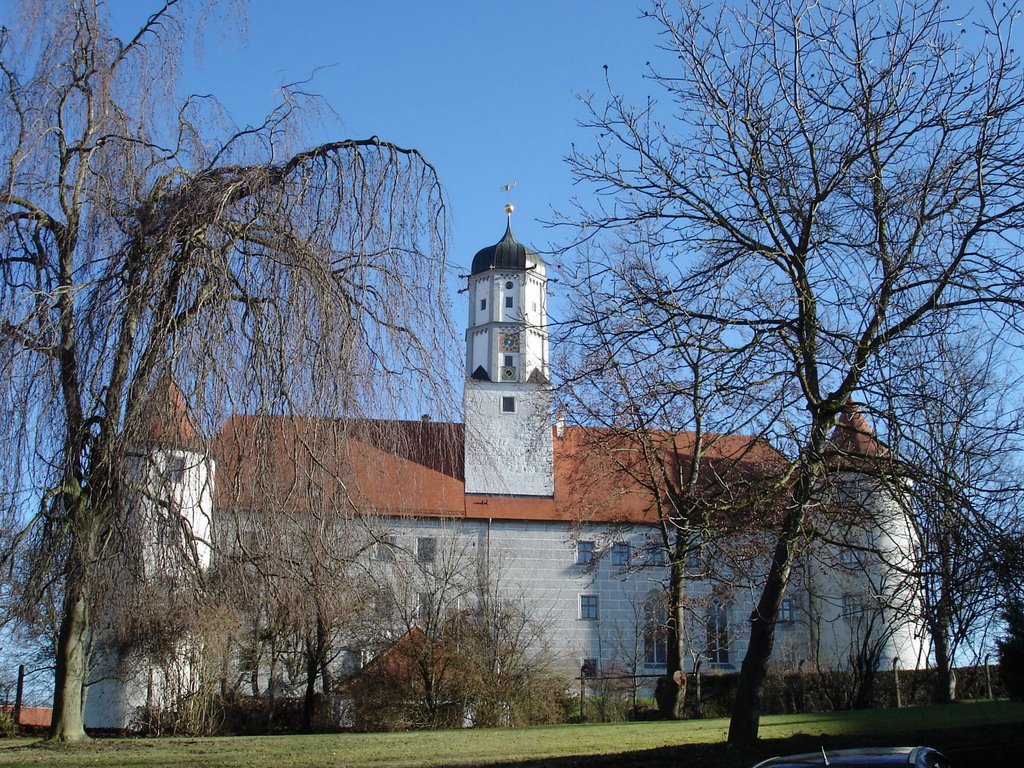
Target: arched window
717, 649
655, 630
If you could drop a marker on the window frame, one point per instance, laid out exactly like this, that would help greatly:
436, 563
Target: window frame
718, 638
787, 611
586, 552
589, 607
426, 549
621, 554
386, 550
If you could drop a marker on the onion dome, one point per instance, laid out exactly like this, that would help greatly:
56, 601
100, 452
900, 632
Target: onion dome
507, 253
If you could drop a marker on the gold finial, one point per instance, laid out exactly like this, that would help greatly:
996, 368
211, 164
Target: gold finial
508, 206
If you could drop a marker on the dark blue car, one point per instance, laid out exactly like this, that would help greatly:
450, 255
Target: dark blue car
871, 757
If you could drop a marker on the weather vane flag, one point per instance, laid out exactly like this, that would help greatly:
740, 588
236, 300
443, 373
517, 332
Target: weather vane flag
508, 204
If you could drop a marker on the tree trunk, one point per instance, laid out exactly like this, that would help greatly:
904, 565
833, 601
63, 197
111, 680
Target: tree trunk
71, 662
945, 681
675, 705
746, 711
312, 670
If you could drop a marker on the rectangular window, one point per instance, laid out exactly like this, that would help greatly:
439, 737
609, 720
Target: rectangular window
424, 610
620, 554
508, 405
786, 611
655, 555
718, 634
508, 302
584, 552
588, 667
483, 304
509, 361
174, 469
853, 605
588, 607
386, 549
384, 606
426, 548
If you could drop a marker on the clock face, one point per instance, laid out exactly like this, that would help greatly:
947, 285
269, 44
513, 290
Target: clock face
510, 342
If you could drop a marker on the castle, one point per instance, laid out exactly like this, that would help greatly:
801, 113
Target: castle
545, 511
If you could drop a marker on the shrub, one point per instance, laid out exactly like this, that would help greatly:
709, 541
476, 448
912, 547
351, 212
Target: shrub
1011, 652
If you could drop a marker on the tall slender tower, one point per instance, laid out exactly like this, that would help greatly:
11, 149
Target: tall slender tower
507, 397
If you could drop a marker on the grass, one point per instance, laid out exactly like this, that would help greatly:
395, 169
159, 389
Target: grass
959, 727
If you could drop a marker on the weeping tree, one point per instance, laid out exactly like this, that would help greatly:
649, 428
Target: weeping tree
142, 240
841, 172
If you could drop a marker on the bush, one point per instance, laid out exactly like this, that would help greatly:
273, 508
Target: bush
1011, 652
7, 726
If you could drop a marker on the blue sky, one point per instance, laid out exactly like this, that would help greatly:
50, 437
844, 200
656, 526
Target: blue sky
486, 90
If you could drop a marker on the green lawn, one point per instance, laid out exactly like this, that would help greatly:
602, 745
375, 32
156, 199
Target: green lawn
696, 743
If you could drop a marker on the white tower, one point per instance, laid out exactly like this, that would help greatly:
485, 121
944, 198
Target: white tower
507, 397
171, 515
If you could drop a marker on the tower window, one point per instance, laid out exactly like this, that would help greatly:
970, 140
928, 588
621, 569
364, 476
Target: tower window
174, 469
508, 405
509, 361
508, 286
483, 303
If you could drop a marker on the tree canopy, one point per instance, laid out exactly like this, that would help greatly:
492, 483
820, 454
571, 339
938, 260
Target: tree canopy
146, 236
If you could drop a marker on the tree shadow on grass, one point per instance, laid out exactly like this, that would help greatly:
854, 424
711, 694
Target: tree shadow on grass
992, 746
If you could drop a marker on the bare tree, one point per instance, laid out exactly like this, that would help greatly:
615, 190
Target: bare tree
955, 431
452, 644
140, 241
840, 173
668, 388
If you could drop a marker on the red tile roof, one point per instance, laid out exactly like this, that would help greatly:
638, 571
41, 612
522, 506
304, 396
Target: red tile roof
168, 423
853, 437
31, 717
416, 468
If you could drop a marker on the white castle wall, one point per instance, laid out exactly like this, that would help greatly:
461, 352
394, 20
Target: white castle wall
538, 560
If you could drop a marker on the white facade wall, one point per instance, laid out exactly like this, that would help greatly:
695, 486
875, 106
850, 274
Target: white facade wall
538, 560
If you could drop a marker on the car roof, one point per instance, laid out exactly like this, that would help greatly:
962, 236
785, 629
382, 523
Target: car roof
870, 756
